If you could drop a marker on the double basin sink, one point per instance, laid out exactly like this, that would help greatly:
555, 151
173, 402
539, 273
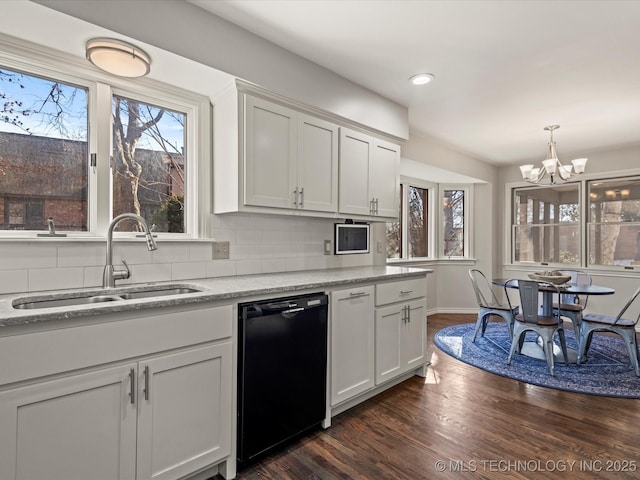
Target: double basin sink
88, 298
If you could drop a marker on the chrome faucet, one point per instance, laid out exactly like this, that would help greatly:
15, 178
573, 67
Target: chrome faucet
111, 274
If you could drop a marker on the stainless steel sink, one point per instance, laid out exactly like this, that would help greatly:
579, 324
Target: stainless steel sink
161, 292
69, 300
64, 302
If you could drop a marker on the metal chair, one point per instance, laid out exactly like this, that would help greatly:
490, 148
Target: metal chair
572, 305
604, 323
490, 305
531, 321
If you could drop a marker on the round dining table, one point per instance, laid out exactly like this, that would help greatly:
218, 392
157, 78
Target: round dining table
534, 349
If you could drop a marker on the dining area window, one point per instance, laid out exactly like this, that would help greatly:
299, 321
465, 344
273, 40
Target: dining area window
614, 222
546, 224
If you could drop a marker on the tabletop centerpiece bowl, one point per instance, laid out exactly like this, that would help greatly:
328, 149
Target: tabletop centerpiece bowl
553, 277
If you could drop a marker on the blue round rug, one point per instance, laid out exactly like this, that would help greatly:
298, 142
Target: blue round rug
606, 372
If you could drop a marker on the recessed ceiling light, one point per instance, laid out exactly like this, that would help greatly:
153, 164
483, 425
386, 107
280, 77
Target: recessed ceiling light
421, 78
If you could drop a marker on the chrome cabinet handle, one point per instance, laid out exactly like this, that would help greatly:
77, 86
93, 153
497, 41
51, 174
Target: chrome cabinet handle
405, 292
376, 205
132, 385
147, 394
295, 197
408, 314
302, 197
357, 294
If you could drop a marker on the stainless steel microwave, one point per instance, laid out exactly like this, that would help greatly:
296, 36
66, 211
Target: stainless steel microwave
351, 238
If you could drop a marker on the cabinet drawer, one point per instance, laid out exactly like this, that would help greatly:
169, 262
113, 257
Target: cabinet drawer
400, 291
49, 352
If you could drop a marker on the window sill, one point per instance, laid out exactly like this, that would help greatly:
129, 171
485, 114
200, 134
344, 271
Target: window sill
31, 239
431, 261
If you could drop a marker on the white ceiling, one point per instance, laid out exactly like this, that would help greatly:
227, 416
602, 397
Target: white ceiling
504, 69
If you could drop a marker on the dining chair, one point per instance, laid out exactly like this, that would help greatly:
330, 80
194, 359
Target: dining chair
592, 322
490, 305
530, 320
572, 305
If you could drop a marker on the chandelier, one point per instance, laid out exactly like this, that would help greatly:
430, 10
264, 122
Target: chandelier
552, 166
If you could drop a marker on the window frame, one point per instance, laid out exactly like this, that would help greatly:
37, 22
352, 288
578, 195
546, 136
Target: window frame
49, 64
584, 225
435, 229
513, 226
468, 219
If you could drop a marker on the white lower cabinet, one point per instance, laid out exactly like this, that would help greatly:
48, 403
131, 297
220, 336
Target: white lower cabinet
183, 411
400, 339
352, 342
161, 418
376, 338
78, 427
401, 327
84, 411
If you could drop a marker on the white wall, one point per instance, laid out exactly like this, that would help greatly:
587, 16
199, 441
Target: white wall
182, 28
449, 287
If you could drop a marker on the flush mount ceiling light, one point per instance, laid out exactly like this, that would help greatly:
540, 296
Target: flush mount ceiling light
421, 78
118, 57
552, 166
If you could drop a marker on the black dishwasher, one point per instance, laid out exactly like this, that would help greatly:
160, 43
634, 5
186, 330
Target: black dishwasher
282, 371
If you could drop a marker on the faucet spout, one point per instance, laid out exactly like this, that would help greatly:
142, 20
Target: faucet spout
110, 274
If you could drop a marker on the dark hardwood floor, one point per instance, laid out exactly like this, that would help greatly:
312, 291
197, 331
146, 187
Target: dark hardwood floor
464, 423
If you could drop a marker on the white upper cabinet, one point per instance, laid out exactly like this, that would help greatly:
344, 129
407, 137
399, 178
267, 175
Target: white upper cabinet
274, 156
384, 178
369, 173
355, 162
270, 154
317, 164
290, 159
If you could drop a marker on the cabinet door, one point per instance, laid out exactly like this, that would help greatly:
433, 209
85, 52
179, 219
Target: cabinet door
352, 343
317, 164
414, 342
355, 158
384, 178
400, 339
389, 338
75, 428
184, 412
270, 154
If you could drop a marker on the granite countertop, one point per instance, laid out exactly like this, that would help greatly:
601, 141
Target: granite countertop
212, 289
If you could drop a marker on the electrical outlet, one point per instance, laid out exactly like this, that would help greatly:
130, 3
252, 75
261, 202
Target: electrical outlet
380, 246
220, 250
327, 247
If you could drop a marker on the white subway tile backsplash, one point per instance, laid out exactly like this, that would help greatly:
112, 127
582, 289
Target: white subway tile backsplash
258, 244
157, 272
12, 281
171, 253
274, 265
81, 255
189, 270
58, 278
221, 268
200, 252
16, 257
248, 267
